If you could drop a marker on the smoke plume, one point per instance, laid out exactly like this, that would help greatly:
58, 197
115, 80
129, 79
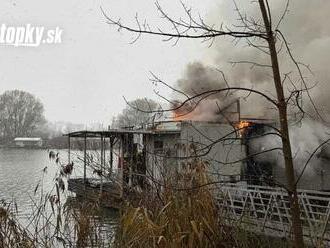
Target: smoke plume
200, 79
306, 29
305, 139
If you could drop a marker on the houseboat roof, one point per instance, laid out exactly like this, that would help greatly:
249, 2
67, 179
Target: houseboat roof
162, 127
114, 132
27, 139
108, 133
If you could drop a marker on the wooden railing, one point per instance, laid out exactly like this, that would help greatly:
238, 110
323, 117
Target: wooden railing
266, 210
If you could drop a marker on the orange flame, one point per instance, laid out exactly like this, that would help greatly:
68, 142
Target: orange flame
184, 112
241, 126
181, 116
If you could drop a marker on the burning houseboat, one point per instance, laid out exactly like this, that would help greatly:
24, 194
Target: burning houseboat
138, 156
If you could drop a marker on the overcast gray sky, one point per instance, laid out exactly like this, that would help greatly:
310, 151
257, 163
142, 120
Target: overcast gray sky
83, 79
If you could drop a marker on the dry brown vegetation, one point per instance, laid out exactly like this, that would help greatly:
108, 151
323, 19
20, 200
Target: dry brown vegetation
179, 212
184, 215
11, 234
77, 226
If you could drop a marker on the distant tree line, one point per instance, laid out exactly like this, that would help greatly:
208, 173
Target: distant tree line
21, 114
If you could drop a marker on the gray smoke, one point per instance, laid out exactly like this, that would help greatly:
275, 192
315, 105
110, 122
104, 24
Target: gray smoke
200, 79
306, 29
305, 138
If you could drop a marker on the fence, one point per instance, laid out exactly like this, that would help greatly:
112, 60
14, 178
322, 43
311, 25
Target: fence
266, 210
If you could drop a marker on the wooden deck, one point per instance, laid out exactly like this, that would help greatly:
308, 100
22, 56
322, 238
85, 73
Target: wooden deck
109, 196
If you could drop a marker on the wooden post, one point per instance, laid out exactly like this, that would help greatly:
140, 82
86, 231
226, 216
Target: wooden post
102, 164
85, 156
104, 148
121, 171
69, 149
130, 163
111, 154
101, 151
239, 110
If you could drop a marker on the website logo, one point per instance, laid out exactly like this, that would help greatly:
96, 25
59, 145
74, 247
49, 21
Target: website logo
29, 36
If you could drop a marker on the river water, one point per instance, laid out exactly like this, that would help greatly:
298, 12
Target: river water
21, 170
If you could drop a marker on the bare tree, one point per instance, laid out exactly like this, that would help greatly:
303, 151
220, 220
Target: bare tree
20, 114
264, 35
131, 116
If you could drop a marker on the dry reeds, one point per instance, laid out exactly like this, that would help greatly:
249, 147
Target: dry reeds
183, 214
11, 233
186, 216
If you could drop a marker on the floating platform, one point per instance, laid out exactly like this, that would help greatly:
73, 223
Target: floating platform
108, 194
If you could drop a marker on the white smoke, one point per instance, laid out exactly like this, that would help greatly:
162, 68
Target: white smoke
306, 29
305, 138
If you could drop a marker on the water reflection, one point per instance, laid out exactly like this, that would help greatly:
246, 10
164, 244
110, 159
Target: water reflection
22, 170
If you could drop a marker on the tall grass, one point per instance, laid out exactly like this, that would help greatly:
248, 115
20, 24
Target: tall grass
11, 234
80, 224
183, 214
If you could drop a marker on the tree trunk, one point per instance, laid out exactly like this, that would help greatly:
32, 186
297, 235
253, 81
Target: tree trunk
282, 110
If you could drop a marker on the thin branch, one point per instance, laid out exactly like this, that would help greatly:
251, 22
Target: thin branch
310, 158
203, 30
209, 93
